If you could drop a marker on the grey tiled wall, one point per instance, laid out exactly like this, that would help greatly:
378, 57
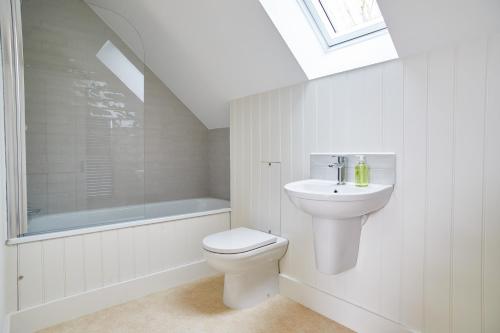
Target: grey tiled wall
176, 147
90, 141
218, 163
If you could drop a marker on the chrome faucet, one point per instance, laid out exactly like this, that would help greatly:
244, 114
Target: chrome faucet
340, 164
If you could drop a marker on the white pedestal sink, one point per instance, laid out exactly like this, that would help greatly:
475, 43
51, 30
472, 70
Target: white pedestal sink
338, 211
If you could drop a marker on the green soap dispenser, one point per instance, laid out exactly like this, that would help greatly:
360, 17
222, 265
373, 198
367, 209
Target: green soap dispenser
361, 172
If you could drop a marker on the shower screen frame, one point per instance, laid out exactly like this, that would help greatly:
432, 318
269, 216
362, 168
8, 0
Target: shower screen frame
14, 117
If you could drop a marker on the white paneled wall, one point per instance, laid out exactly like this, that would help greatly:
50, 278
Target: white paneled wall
56, 268
430, 259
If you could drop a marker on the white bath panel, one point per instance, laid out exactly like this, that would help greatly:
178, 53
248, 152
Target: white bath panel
171, 242
92, 244
156, 248
110, 257
126, 250
69, 266
74, 265
37, 317
30, 275
53, 269
141, 250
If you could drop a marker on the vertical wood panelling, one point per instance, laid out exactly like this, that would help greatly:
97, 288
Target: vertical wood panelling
240, 165
53, 269
491, 232
333, 94
195, 233
321, 99
439, 192
74, 265
264, 223
309, 144
275, 198
126, 249
255, 160
275, 128
92, 248
310, 124
246, 168
141, 251
171, 244
232, 156
429, 259
467, 229
270, 197
110, 257
157, 252
365, 101
392, 141
298, 219
265, 127
31, 270
415, 119
364, 115
340, 107
233, 137
286, 205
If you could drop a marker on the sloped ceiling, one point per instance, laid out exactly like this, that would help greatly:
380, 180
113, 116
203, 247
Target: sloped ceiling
420, 25
209, 52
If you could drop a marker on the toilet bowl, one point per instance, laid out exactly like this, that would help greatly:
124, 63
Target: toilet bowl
249, 260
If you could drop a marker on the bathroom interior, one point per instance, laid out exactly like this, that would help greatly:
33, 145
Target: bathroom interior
249, 166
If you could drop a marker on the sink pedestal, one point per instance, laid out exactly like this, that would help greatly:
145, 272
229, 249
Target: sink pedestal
338, 212
336, 243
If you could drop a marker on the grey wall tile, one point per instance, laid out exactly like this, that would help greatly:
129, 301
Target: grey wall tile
218, 163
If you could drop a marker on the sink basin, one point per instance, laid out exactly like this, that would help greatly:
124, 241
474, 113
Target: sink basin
338, 212
326, 199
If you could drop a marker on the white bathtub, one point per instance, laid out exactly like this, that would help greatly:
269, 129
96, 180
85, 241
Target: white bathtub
122, 217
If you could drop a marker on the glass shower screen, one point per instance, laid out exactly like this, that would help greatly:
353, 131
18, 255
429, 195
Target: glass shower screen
84, 116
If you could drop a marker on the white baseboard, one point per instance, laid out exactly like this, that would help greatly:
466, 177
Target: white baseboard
48, 314
343, 312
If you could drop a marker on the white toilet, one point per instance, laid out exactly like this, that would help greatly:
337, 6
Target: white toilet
249, 260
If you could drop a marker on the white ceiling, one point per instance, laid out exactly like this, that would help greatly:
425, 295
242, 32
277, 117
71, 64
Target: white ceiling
212, 51
420, 25
209, 52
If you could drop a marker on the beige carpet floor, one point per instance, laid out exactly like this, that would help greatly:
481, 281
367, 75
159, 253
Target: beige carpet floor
197, 307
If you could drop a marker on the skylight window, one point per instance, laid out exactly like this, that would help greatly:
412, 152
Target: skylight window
340, 21
125, 70
332, 36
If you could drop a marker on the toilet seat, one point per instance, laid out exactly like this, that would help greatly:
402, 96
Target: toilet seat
237, 240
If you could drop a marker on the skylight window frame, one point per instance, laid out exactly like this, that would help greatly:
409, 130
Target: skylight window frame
344, 38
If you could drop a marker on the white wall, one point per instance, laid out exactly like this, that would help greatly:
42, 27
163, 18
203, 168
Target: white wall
429, 259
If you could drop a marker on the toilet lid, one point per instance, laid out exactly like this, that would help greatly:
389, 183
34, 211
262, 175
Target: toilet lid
237, 241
